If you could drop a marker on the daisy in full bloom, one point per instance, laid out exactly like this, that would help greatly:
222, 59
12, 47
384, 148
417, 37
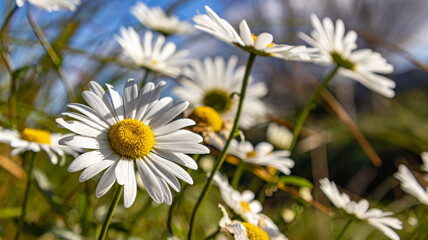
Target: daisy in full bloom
279, 136
156, 19
161, 58
36, 140
263, 154
138, 129
261, 45
243, 203
51, 5
262, 230
375, 217
338, 47
410, 185
212, 82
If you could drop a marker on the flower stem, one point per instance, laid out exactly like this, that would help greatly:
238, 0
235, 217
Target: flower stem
56, 60
27, 190
223, 153
9, 65
342, 232
310, 106
113, 205
237, 174
144, 80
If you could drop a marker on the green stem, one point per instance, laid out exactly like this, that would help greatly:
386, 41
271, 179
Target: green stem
177, 198
342, 232
309, 107
113, 205
223, 153
27, 190
145, 77
237, 174
9, 65
56, 60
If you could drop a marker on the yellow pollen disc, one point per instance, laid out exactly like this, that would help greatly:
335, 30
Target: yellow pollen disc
252, 154
154, 62
36, 135
207, 115
131, 138
254, 232
255, 39
245, 207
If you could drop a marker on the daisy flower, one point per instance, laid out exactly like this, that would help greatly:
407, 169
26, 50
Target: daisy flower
243, 203
262, 154
375, 217
263, 230
212, 82
36, 140
410, 185
137, 130
260, 45
279, 136
156, 19
338, 47
51, 5
161, 58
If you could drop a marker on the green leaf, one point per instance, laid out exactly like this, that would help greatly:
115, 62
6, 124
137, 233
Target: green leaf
296, 181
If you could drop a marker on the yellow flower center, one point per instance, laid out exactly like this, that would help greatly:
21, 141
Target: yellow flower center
252, 154
36, 135
245, 207
154, 62
218, 99
339, 60
255, 39
207, 116
131, 138
254, 232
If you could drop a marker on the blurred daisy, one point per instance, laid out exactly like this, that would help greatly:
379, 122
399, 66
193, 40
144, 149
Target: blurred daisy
261, 45
51, 5
36, 140
410, 185
262, 154
243, 203
375, 217
136, 130
212, 82
156, 19
263, 230
338, 48
279, 136
159, 58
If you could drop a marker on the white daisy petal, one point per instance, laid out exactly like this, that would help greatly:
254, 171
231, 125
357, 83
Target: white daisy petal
150, 181
106, 181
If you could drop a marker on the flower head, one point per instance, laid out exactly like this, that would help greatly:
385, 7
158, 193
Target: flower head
262, 154
410, 185
156, 19
212, 82
243, 203
52, 5
35, 140
138, 129
263, 229
159, 58
261, 45
375, 217
362, 65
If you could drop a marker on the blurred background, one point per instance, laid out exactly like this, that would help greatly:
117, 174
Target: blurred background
396, 129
